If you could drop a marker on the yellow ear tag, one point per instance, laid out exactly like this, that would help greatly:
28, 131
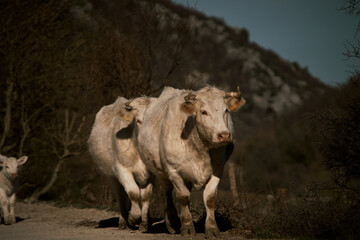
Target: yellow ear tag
238, 104
234, 106
125, 118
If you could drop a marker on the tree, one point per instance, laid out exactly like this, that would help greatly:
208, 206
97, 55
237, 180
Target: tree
352, 48
137, 60
341, 137
42, 50
65, 140
32, 36
60, 62
341, 129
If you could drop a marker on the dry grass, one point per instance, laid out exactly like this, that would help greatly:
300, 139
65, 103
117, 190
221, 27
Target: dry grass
310, 215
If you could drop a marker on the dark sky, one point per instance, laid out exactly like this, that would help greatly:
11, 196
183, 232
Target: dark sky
311, 32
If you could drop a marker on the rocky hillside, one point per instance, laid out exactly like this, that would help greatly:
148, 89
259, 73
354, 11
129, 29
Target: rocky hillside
217, 54
223, 56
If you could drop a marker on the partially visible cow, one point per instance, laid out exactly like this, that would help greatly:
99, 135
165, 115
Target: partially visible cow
185, 141
9, 185
112, 145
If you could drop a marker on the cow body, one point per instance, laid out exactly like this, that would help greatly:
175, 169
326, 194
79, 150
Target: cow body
185, 140
112, 145
8, 186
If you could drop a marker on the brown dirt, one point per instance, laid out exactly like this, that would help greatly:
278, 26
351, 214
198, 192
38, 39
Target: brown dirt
44, 221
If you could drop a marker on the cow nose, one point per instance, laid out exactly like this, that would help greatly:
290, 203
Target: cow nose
224, 137
13, 175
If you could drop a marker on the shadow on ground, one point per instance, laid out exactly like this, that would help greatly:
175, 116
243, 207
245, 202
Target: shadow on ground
158, 225
18, 219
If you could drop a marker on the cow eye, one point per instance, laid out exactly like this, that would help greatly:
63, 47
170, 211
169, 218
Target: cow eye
203, 112
226, 110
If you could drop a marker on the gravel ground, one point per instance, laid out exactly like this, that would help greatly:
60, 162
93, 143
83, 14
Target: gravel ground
43, 221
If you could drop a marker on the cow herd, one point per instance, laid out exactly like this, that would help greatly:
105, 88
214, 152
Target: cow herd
183, 138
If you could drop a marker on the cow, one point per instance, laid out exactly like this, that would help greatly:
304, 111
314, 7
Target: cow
185, 141
113, 149
8, 186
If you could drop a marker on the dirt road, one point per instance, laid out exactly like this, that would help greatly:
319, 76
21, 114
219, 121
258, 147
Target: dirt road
43, 221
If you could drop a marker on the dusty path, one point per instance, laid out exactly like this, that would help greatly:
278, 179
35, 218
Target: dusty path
43, 221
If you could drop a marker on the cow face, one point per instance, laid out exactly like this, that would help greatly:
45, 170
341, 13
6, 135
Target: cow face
211, 108
11, 166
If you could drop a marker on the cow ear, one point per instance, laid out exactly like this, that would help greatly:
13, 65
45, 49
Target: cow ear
137, 103
234, 103
125, 114
2, 160
22, 160
188, 108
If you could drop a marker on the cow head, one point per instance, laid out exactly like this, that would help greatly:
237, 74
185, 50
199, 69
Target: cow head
136, 108
211, 109
11, 166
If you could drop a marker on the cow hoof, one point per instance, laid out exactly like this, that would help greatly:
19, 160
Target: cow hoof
13, 220
188, 230
7, 222
122, 224
212, 233
143, 227
169, 227
134, 220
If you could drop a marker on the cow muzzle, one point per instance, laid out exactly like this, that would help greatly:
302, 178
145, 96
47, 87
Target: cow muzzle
13, 175
224, 137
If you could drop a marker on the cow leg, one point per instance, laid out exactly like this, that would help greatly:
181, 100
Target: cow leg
211, 229
122, 200
12, 201
126, 178
145, 199
183, 197
5, 206
171, 218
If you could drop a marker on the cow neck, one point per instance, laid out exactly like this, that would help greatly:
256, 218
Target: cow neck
196, 141
6, 181
135, 130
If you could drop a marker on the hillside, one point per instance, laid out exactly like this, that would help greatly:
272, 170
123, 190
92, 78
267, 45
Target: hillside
216, 54
223, 56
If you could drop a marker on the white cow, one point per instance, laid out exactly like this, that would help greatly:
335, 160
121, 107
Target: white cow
112, 145
185, 140
9, 185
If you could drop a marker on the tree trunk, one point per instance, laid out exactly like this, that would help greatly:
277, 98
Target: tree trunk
7, 117
232, 182
242, 186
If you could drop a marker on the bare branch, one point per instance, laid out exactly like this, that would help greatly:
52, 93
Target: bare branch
7, 117
350, 6
352, 50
